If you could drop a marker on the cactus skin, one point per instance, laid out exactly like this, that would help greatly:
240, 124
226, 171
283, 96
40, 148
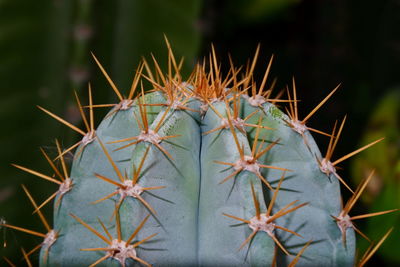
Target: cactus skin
321, 192
201, 213
219, 243
87, 188
190, 225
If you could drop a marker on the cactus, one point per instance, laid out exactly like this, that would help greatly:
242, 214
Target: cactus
197, 172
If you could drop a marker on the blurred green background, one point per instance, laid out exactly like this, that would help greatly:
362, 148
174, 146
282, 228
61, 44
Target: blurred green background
45, 54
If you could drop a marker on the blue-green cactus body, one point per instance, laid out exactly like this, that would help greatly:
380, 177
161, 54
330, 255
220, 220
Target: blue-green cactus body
177, 204
87, 189
218, 241
188, 219
305, 183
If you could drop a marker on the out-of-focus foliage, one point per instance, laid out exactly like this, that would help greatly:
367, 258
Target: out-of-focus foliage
253, 10
45, 55
138, 30
33, 42
383, 191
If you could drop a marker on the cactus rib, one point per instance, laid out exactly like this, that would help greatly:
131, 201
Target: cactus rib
210, 167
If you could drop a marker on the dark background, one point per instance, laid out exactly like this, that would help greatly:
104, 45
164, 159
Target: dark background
44, 55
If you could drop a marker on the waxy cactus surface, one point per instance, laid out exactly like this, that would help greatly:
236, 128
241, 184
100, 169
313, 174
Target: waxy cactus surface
202, 172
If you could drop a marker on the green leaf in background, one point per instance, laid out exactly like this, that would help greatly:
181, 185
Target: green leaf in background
383, 192
253, 10
45, 55
139, 29
33, 41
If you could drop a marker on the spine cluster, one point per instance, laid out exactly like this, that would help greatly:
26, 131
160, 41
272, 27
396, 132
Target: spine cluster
203, 171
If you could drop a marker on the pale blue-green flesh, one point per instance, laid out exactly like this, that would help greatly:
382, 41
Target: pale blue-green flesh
176, 205
305, 183
190, 227
87, 188
218, 240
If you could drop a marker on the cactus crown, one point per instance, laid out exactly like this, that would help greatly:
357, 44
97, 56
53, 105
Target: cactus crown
203, 171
